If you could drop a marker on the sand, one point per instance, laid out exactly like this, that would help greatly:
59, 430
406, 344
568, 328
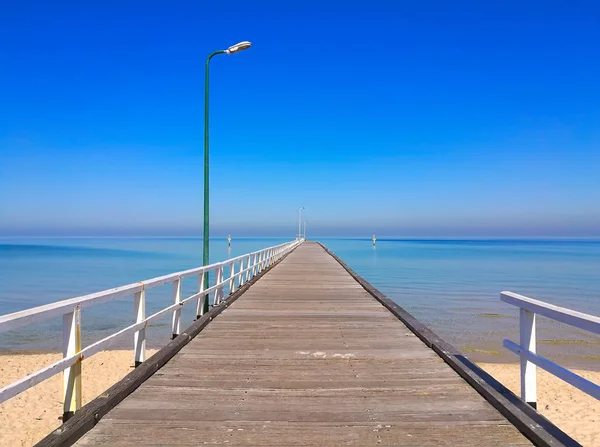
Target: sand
30, 416
27, 418
575, 412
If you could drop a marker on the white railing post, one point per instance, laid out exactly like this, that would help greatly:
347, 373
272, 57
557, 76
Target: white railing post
218, 281
201, 298
528, 369
70, 310
176, 323
241, 274
232, 278
139, 337
72, 375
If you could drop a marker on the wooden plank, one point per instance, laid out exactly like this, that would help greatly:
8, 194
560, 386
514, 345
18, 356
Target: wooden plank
129, 433
531, 423
25, 317
88, 416
306, 357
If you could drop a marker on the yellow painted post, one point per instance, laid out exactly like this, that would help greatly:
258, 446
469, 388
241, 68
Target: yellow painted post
72, 375
139, 337
176, 320
374, 240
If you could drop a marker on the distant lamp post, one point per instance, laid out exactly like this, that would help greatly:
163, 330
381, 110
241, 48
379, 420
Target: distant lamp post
300, 222
205, 234
305, 224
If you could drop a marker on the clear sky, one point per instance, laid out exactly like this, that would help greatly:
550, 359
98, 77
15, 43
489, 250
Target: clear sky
403, 118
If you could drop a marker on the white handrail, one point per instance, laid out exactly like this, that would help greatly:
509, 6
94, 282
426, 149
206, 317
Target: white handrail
526, 349
70, 310
22, 318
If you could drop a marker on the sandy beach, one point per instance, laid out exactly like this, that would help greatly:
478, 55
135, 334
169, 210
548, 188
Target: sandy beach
30, 416
573, 411
27, 418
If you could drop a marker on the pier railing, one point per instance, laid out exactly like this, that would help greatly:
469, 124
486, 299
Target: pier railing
241, 269
529, 308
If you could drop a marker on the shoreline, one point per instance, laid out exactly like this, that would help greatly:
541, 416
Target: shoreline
583, 362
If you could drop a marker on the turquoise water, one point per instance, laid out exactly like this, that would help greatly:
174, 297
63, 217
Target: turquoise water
453, 286
38, 271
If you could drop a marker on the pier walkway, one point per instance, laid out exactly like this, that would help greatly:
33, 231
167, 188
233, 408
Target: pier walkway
306, 356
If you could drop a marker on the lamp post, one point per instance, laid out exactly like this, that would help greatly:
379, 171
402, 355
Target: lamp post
205, 233
305, 224
300, 222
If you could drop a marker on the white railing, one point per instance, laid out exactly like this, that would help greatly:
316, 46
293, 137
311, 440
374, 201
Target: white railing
526, 349
248, 265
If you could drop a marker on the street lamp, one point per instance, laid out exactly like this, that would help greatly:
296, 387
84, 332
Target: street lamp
205, 236
300, 222
305, 223
238, 47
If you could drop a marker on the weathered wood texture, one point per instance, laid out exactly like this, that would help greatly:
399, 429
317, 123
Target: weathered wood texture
305, 357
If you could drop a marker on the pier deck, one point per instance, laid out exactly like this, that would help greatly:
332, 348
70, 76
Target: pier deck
305, 357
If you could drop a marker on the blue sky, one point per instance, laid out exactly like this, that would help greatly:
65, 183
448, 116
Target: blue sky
400, 118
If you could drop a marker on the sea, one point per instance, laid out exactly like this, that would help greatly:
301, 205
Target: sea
453, 286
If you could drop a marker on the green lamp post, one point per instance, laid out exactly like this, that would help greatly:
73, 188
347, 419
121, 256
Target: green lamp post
205, 234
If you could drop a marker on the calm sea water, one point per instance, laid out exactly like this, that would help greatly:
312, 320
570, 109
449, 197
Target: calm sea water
451, 285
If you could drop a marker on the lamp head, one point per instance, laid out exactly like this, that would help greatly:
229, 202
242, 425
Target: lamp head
238, 47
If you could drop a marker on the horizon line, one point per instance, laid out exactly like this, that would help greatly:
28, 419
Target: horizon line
368, 238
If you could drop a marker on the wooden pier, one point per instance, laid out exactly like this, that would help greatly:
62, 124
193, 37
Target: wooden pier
307, 355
